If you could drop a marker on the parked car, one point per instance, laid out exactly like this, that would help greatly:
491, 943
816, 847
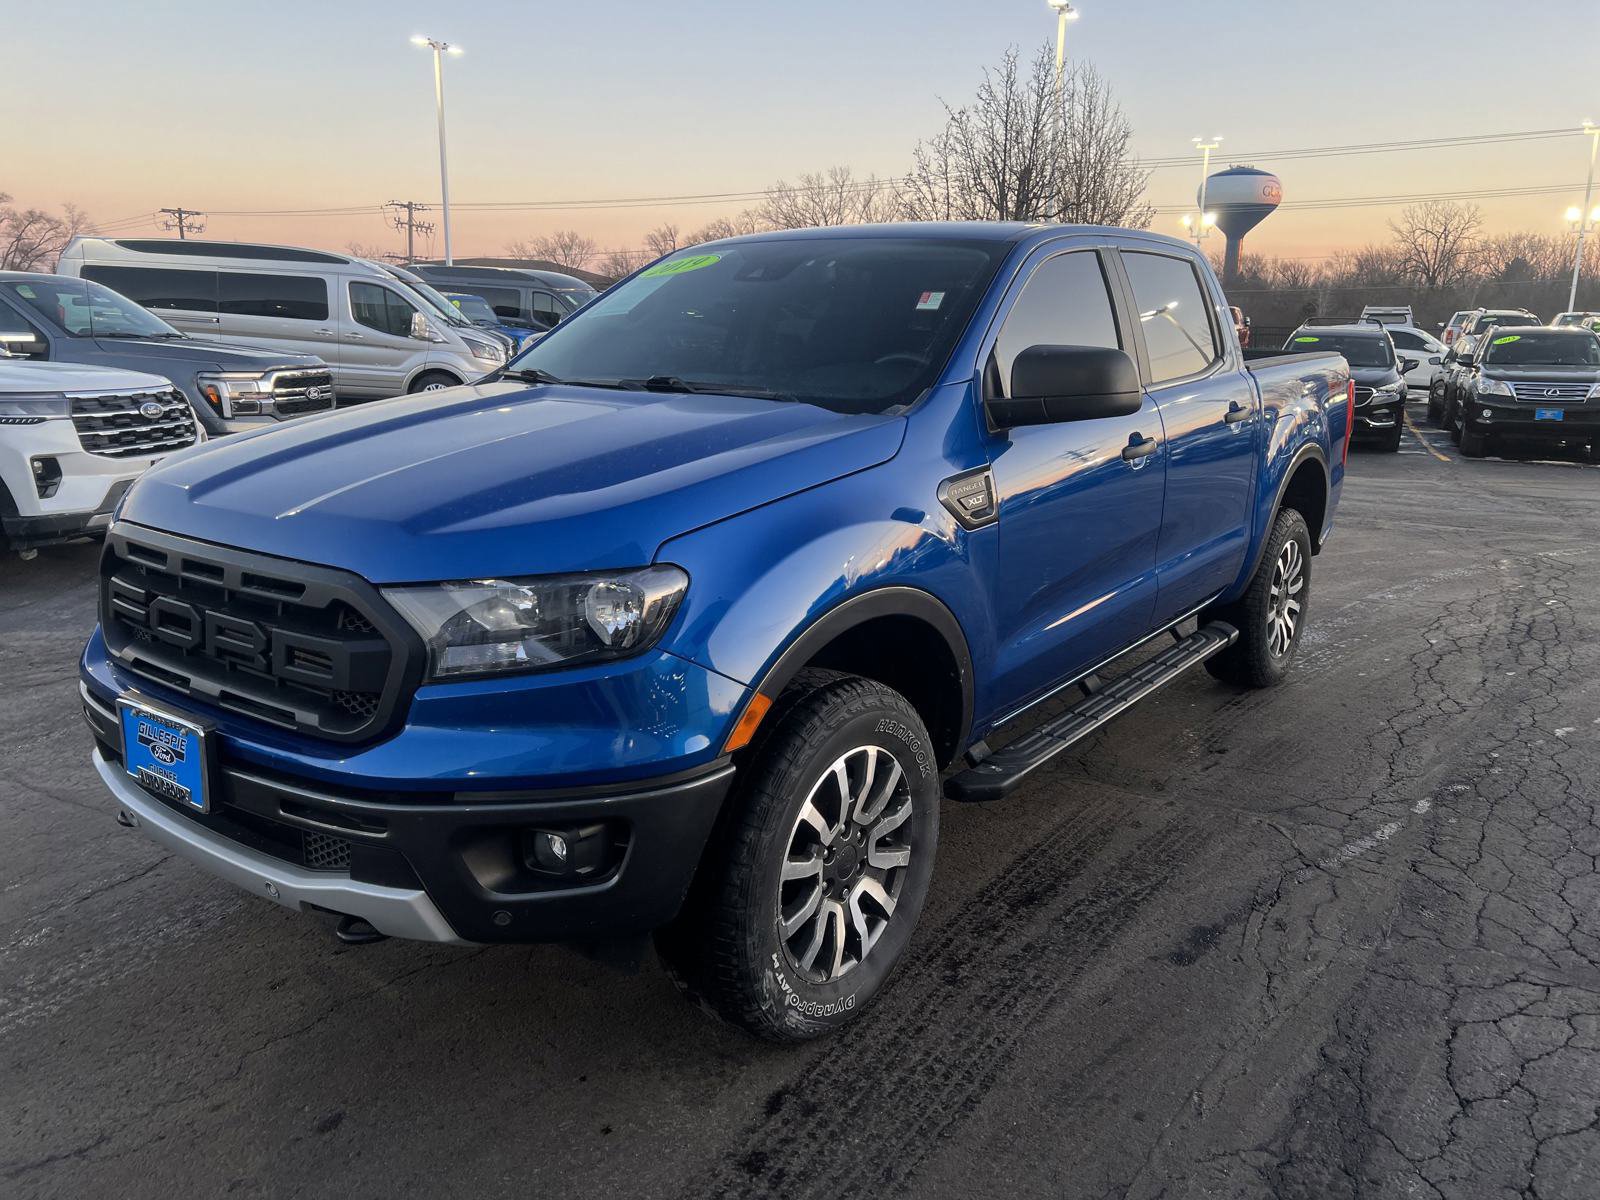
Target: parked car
1377, 372
1241, 325
522, 296
476, 309
1537, 387
1452, 329
1588, 320
57, 318
441, 306
1389, 314
377, 334
1420, 348
1484, 319
1458, 365
708, 625
72, 438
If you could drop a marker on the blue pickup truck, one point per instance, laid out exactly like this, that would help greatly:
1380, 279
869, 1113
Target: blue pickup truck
684, 621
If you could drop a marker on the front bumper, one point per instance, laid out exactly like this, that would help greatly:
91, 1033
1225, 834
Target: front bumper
1378, 417
1579, 422
439, 866
27, 532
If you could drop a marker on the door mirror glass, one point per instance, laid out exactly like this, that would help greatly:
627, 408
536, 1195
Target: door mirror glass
1067, 383
23, 343
419, 327
1407, 365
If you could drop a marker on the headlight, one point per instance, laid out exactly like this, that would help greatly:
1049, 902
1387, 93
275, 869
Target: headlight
493, 626
28, 409
1389, 391
487, 351
1495, 387
234, 395
1594, 392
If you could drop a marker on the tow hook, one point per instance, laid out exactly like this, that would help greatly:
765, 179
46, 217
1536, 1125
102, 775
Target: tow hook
353, 931
126, 819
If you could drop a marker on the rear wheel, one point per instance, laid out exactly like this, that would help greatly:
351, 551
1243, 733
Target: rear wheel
433, 381
807, 902
1272, 613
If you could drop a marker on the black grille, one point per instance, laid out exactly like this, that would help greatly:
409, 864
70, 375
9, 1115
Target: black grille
133, 424
324, 852
301, 647
297, 392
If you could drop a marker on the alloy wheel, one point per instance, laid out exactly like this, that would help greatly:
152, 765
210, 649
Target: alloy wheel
1283, 600
845, 864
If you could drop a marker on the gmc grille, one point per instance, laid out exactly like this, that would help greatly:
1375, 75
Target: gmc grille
304, 648
297, 392
133, 424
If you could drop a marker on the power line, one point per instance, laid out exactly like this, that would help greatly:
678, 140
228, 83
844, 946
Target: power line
1468, 139
1413, 198
409, 222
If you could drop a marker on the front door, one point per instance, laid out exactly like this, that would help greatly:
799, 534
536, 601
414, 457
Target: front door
376, 349
1078, 519
1213, 427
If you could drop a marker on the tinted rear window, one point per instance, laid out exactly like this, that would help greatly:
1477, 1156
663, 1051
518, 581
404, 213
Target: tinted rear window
160, 287
290, 297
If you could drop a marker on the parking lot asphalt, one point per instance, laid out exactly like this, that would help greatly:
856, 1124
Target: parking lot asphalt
1337, 939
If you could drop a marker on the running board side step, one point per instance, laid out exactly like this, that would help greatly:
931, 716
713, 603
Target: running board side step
1004, 769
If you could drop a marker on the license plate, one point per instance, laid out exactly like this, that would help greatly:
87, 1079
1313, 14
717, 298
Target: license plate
1549, 414
165, 754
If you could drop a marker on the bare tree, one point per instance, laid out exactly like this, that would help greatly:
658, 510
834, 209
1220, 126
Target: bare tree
1022, 151
32, 239
365, 250
747, 222
565, 247
614, 264
1437, 242
663, 239
833, 197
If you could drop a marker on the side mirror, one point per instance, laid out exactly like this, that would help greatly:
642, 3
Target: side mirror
23, 345
1408, 365
1067, 383
419, 328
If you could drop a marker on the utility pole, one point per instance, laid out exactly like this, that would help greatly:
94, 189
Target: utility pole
183, 220
1586, 215
405, 217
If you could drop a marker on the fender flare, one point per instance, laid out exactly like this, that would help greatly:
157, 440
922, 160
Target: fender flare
1308, 451
430, 369
889, 601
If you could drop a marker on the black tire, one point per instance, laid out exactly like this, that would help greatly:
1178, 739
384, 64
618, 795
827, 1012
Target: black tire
1258, 659
727, 950
1454, 425
1434, 417
432, 381
1390, 442
1473, 445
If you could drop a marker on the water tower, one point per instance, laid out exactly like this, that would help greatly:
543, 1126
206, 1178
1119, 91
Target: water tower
1242, 198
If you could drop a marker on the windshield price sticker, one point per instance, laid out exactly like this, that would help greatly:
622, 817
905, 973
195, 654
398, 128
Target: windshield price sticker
1510, 337
1306, 341
929, 301
681, 266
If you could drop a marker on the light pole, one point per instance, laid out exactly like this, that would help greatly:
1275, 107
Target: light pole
440, 49
1064, 13
1586, 215
1203, 226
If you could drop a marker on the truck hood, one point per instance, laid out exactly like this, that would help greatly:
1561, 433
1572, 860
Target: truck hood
218, 356
20, 376
501, 479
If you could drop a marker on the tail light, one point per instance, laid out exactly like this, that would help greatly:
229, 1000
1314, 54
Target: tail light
1349, 419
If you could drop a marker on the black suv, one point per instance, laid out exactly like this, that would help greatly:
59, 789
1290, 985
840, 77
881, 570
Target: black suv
1484, 319
1378, 373
1531, 385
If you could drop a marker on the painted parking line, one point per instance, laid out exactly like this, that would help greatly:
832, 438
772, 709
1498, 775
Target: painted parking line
1426, 444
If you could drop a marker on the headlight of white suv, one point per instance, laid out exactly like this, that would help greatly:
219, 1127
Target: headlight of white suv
1495, 387
18, 409
495, 626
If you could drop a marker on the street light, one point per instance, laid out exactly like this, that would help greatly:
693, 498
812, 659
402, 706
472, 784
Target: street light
1205, 148
1575, 215
439, 50
1064, 13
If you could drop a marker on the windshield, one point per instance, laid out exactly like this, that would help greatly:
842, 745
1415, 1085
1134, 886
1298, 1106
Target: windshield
1358, 350
854, 324
475, 308
1544, 349
87, 309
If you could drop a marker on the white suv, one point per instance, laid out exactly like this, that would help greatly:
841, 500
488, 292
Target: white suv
72, 439
1421, 348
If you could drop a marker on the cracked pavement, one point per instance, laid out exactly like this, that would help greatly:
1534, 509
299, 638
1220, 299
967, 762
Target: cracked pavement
1340, 939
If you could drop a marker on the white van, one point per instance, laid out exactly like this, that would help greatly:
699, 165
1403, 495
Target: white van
72, 438
380, 335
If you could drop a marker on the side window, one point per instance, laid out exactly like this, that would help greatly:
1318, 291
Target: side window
506, 302
547, 310
1175, 314
294, 297
160, 287
378, 308
1406, 341
1065, 303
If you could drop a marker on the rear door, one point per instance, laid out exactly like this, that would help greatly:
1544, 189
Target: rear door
1210, 412
1077, 519
271, 310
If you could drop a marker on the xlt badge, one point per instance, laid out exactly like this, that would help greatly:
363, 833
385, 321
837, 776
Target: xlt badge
969, 498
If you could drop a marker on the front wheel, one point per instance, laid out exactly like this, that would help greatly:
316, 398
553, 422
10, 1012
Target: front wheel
433, 381
1271, 614
1473, 445
808, 900
1391, 439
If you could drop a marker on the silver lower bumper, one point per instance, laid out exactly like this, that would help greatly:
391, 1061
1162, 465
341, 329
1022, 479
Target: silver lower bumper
398, 912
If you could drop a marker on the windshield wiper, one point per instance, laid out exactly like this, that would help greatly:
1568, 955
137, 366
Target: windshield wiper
538, 375
672, 383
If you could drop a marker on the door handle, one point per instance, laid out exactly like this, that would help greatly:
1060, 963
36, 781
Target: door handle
1138, 447
356, 337
323, 332
1236, 412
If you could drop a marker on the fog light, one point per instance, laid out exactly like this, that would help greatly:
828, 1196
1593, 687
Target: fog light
1487, 413
46, 476
570, 851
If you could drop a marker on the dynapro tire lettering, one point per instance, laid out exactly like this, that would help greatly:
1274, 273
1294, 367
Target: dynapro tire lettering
808, 1008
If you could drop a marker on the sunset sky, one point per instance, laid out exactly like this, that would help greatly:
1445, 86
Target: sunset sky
240, 107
